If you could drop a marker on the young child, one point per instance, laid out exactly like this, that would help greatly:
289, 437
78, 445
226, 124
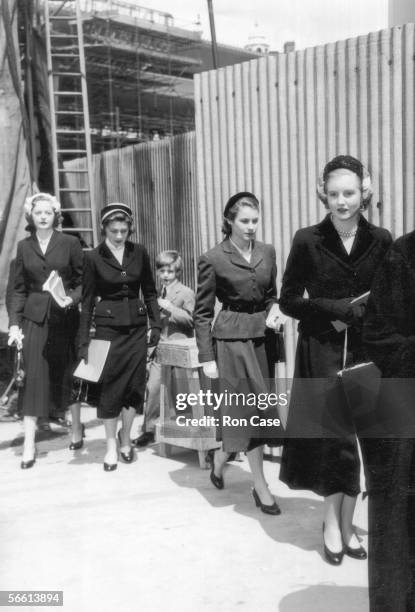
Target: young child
176, 303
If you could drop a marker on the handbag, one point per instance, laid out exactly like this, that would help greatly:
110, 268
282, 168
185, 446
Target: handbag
9, 399
361, 383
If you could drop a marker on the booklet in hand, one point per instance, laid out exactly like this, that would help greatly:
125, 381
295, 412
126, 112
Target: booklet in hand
54, 285
97, 356
361, 299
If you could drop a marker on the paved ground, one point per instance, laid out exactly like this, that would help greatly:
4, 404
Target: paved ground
155, 535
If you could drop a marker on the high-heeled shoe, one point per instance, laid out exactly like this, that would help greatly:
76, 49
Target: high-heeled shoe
110, 467
217, 481
334, 558
266, 508
355, 553
127, 457
26, 465
80, 443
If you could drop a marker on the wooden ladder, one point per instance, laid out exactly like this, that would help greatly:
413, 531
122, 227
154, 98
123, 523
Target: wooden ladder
69, 113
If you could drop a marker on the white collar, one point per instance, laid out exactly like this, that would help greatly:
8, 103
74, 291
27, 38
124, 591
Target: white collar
113, 248
44, 241
245, 254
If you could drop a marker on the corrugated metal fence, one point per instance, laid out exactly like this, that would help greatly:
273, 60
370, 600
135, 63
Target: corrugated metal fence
270, 125
157, 180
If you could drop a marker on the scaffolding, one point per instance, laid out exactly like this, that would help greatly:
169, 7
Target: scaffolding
139, 69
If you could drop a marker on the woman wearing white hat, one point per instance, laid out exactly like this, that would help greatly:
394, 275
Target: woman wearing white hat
45, 328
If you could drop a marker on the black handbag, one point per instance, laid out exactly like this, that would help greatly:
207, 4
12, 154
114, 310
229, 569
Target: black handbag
361, 384
9, 405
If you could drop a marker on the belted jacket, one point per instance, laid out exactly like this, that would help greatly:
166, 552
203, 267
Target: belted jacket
117, 287
245, 289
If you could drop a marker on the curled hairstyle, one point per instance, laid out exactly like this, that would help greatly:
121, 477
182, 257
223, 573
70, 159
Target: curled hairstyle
346, 162
170, 258
117, 216
31, 202
230, 212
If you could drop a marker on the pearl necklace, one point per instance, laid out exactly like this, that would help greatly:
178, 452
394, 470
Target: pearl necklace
344, 233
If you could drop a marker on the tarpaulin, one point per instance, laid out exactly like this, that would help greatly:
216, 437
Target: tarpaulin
15, 179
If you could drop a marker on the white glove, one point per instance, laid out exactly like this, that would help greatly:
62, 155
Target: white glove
15, 336
275, 319
210, 369
67, 301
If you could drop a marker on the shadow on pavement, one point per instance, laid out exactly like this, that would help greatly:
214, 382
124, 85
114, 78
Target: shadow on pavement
326, 597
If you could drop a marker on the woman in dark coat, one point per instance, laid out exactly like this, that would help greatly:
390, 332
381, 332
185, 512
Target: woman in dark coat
241, 273
334, 262
48, 328
115, 272
389, 337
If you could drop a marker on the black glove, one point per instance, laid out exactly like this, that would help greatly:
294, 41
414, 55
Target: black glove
358, 311
154, 336
83, 353
335, 309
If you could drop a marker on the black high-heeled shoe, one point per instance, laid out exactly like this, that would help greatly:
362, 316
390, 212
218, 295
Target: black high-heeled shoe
266, 508
217, 481
355, 553
26, 465
334, 558
80, 443
110, 467
127, 457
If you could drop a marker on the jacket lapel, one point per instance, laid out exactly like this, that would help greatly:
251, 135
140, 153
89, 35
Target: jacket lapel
108, 257
174, 291
363, 243
331, 242
237, 259
128, 254
54, 240
34, 243
257, 254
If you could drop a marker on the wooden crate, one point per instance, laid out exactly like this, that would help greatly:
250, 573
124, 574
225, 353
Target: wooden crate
174, 354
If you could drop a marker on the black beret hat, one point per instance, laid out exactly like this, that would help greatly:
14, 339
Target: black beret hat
232, 200
116, 207
344, 161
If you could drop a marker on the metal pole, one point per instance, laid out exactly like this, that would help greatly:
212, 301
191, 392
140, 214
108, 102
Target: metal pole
213, 34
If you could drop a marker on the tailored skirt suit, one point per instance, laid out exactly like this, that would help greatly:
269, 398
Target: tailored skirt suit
176, 324
49, 345
389, 338
244, 349
320, 450
111, 293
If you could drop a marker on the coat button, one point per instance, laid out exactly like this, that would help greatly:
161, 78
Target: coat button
123, 273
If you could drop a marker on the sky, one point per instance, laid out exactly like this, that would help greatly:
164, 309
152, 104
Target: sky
307, 22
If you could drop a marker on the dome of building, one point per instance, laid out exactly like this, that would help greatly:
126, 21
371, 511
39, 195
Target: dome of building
257, 42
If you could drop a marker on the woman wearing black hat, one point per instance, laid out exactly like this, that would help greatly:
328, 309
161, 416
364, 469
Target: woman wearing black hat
334, 262
115, 272
240, 350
